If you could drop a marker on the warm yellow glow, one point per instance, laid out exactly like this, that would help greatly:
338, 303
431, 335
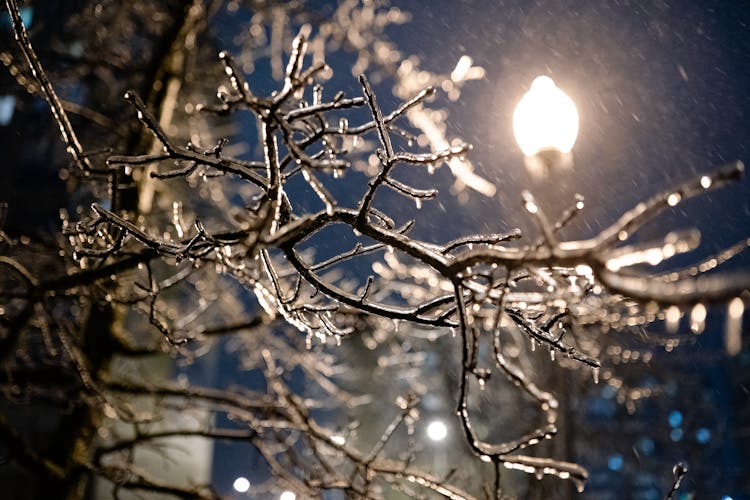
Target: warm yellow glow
733, 327
437, 431
545, 119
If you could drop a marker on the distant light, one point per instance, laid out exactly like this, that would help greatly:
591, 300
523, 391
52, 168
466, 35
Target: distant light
675, 435
27, 15
545, 119
241, 484
703, 435
615, 462
727, 497
7, 105
646, 445
437, 430
675, 419
288, 495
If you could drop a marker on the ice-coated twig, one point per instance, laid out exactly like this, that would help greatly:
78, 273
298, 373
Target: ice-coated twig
482, 239
678, 471
67, 133
544, 337
237, 79
644, 211
172, 151
432, 158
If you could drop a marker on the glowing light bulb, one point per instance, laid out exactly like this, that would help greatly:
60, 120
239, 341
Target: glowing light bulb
545, 122
241, 484
437, 431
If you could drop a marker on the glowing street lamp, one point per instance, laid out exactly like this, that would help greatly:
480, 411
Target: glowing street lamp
437, 431
545, 123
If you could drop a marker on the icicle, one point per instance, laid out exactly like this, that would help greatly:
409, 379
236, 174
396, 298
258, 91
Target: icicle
418, 202
596, 374
698, 318
672, 318
317, 94
733, 327
552, 354
579, 485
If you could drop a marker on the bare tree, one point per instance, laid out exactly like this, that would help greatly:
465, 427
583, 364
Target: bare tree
173, 271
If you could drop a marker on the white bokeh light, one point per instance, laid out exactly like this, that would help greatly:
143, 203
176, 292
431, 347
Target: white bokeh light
437, 430
545, 119
288, 495
241, 484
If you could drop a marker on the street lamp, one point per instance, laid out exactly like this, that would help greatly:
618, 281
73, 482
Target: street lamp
545, 123
437, 431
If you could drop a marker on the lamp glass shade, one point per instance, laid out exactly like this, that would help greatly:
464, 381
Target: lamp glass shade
545, 119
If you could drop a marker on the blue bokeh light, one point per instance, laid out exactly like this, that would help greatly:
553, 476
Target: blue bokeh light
646, 445
703, 435
7, 105
615, 462
608, 392
675, 418
676, 434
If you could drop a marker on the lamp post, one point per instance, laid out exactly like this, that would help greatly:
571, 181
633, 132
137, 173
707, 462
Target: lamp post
545, 123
